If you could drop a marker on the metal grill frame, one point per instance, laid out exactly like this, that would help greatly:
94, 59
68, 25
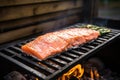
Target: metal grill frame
56, 65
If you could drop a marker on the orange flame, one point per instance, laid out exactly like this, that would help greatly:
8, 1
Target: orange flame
77, 71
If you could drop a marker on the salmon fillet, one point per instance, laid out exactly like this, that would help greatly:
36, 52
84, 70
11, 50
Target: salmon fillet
45, 46
55, 42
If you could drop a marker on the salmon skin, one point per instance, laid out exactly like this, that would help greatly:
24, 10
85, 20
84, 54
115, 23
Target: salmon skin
55, 42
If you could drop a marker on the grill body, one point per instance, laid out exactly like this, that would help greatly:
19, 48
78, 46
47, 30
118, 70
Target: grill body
56, 65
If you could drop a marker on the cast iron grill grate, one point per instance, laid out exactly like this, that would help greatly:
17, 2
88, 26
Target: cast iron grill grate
56, 65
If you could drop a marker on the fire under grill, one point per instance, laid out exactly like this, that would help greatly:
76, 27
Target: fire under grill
56, 65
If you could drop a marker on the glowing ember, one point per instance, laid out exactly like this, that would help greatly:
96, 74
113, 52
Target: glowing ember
94, 73
91, 74
36, 79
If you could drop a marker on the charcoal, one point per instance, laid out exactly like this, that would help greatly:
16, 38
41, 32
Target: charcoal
14, 75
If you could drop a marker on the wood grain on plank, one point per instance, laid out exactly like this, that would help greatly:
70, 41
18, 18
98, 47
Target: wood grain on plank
22, 2
9, 25
11, 13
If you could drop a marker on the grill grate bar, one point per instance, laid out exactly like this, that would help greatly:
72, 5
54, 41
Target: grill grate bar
71, 55
76, 52
95, 44
45, 67
84, 48
6, 53
12, 52
99, 41
89, 46
115, 32
80, 50
68, 59
59, 61
19, 45
103, 39
17, 48
53, 66
106, 37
